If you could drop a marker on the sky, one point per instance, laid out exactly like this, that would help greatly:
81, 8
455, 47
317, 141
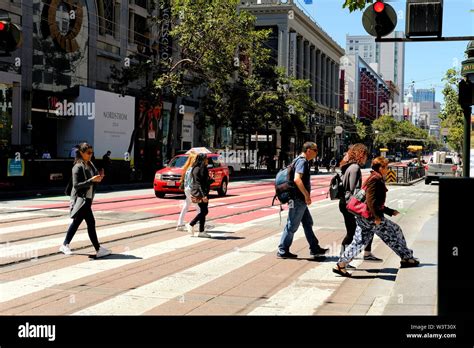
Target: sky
425, 62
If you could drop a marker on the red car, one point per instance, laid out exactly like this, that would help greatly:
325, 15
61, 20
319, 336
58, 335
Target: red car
167, 180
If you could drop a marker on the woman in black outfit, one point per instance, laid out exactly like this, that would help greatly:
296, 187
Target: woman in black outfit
84, 180
200, 189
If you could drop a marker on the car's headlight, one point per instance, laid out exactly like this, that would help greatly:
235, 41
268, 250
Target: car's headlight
158, 176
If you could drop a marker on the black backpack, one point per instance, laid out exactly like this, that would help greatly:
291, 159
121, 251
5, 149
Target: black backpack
336, 187
284, 184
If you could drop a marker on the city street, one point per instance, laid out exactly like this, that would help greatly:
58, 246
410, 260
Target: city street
156, 270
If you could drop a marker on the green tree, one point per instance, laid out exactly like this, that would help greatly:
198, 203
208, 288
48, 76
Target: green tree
386, 129
213, 38
361, 129
354, 5
452, 114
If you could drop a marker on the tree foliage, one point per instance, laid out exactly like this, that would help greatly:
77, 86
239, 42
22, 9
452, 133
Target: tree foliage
354, 5
388, 130
361, 129
452, 116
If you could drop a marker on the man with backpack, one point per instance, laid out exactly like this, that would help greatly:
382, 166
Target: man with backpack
298, 205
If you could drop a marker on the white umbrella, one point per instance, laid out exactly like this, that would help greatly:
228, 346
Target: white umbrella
198, 150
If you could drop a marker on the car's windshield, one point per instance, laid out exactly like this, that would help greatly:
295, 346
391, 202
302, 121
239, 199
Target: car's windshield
178, 162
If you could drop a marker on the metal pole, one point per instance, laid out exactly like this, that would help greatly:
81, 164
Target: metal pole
467, 142
424, 39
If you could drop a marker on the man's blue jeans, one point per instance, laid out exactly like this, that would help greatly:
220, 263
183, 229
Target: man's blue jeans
298, 213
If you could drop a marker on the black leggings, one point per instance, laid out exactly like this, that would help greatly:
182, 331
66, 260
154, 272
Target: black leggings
351, 225
85, 213
201, 217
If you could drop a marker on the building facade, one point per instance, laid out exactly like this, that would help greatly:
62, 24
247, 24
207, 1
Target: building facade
367, 95
386, 58
56, 90
306, 51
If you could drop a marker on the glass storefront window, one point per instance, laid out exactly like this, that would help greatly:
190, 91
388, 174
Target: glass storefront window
6, 92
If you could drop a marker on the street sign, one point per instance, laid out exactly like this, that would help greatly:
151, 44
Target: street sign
338, 129
391, 176
15, 167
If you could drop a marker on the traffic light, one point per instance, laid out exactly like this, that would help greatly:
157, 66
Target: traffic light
379, 19
445, 138
10, 36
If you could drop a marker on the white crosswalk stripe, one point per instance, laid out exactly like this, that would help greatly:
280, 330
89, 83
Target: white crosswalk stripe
146, 297
305, 294
22, 215
21, 249
301, 297
22, 287
37, 225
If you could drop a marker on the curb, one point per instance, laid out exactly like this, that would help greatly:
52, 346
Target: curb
405, 183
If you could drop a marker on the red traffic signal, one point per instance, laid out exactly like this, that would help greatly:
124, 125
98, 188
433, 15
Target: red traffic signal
10, 36
379, 19
379, 6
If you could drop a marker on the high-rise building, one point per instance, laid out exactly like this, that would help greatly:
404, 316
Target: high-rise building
424, 95
386, 58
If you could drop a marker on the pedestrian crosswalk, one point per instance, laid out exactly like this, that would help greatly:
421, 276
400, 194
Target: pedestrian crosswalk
140, 247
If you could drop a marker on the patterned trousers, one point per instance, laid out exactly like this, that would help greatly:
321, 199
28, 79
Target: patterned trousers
390, 233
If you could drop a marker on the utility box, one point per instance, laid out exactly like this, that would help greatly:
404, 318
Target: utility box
424, 18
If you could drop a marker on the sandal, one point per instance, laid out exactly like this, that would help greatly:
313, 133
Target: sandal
341, 271
409, 263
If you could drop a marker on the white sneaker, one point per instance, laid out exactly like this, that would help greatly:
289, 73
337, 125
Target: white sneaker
181, 228
65, 249
204, 234
102, 252
190, 229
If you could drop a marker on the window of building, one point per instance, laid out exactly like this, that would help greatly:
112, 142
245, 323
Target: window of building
139, 30
142, 3
107, 16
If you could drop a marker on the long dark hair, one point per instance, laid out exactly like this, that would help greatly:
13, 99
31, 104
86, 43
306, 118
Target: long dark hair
82, 147
199, 162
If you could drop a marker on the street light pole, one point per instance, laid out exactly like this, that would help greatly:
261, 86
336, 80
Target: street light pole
466, 99
467, 142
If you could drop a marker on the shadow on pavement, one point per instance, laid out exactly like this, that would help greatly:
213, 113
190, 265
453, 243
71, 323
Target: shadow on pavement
226, 238
384, 277
379, 270
115, 257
